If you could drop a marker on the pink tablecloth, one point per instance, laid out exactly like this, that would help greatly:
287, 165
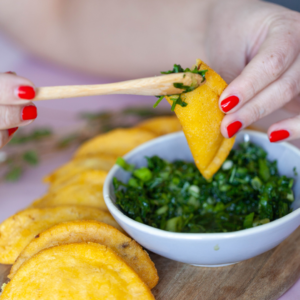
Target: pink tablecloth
60, 114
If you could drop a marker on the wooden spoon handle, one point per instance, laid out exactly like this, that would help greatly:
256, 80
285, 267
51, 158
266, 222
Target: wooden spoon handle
152, 86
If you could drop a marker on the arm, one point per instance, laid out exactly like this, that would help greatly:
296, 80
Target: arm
127, 39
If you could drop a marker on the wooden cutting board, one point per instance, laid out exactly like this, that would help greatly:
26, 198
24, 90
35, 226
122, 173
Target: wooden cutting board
265, 277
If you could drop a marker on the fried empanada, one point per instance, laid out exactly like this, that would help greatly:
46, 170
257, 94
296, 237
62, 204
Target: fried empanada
117, 142
17, 231
76, 271
96, 232
201, 120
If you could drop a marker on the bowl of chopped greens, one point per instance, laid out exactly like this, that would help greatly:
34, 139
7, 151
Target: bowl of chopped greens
159, 197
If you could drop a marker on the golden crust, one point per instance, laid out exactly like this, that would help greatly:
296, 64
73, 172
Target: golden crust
17, 231
66, 171
76, 271
74, 194
96, 232
85, 177
201, 120
116, 142
161, 125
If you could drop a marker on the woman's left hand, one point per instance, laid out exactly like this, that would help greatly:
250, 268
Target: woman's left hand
255, 45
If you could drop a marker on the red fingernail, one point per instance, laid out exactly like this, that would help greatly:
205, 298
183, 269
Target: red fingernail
233, 128
10, 72
12, 130
29, 113
26, 92
278, 135
229, 103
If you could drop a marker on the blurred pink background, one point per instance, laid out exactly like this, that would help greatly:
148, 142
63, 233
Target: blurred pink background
62, 115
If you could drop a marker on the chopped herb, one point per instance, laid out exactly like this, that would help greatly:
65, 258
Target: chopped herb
124, 165
248, 221
14, 173
67, 141
186, 89
144, 174
35, 135
31, 157
246, 192
179, 69
158, 101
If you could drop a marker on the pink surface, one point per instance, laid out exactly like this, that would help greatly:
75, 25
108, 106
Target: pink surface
60, 115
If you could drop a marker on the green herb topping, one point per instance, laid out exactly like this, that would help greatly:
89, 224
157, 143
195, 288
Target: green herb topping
246, 192
186, 88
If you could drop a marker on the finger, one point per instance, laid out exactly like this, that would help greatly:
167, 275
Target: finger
6, 136
288, 129
271, 98
15, 90
294, 105
276, 54
14, 115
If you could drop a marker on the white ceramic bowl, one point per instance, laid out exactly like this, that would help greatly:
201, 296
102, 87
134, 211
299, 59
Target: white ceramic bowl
207, 249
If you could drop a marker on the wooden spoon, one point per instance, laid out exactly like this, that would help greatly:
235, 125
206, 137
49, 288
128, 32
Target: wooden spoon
152, 86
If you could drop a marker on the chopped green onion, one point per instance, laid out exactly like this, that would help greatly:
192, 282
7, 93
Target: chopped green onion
256, 183
143, 173
173, 224
248, 221
263, 170
227, 165
162, 210
290, 196
124, 165
261, 222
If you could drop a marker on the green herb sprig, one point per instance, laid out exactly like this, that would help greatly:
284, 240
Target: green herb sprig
28, 148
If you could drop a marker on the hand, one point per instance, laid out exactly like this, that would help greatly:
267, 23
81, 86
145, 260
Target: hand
16, 109
255, 46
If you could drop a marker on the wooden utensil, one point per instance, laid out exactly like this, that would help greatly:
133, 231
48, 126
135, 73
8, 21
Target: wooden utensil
152, 86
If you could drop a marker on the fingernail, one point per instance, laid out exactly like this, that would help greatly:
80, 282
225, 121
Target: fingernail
26, 92
229, 103
12, 130
29, 113
10, 72
278, 135
233, 128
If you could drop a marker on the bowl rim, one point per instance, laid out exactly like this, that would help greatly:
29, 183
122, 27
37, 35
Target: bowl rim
184, 235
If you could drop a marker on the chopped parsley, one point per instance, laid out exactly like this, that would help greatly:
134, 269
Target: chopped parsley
177, 100
31, 157
246, 192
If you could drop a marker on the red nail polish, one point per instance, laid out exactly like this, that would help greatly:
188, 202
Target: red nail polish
29, 113
10, 72
229, 103
26, 92
233, 128
12, 130
278, 135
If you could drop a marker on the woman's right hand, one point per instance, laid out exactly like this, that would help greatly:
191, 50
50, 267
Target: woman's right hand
16, 108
